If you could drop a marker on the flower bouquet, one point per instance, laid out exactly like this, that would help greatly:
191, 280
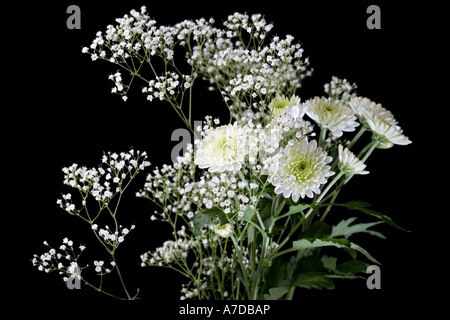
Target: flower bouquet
248, 202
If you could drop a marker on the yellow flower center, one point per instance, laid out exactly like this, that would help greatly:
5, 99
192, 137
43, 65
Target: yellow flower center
302, 169
328, 107
280, 104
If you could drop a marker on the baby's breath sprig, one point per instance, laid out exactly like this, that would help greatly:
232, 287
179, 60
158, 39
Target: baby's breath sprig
104, 185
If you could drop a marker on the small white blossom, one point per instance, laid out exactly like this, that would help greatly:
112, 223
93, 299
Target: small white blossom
349, 163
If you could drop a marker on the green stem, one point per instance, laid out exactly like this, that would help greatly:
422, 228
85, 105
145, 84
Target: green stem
120, 277
322, 137
104, 292
357, 136
371, 147
338, 176
333, 199
369, 152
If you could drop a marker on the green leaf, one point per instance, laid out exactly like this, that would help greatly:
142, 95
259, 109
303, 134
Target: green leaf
277, 275
266, 195
357, 204
354, 246
352, 266
350, 247
346, 229
248, 213
251, 233
362, 206
318, 230
309, 264
294, 209
329, 262
239, 273
313, 280
279, 207
264, 208
304, 272
276, 293
317, 243
205, 216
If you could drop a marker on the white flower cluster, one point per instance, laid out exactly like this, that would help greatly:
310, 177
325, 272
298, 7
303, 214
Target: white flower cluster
119, 86
174, 251
163, 186
99, 183
168, 86
64, 260
296, 166
101, 268
112, 238
233, 58
242, 69
226, 190
340, 89
136, 38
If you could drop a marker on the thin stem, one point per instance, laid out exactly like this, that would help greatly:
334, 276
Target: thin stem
369, 152
357, 136
338, 176
120, 276
102, 291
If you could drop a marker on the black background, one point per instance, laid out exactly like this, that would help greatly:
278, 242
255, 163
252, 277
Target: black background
66, 114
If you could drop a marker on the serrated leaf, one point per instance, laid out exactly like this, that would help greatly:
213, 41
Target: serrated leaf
276, 293
329, 262
346, 229
317, 243
345, 244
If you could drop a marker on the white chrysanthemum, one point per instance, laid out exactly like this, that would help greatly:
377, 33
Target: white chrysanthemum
331, 115
301, 171
386, 134
366, 110
281, 103
349, 163
222, 149
223, 231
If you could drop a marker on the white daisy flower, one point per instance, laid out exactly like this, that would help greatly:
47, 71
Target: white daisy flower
222, 149
281, 103
301, 170
223, 231
331, 115
366, 110
386, 134
349, 163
